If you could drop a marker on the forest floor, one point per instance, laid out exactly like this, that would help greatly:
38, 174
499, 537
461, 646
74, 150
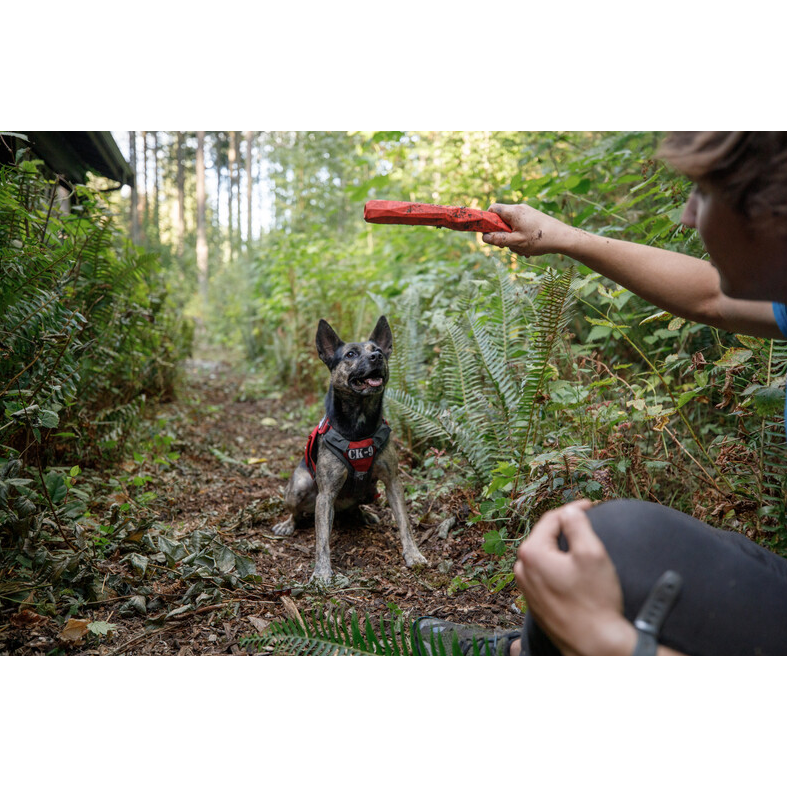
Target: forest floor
236, 450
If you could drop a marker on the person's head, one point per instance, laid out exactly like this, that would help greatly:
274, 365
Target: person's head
739, 205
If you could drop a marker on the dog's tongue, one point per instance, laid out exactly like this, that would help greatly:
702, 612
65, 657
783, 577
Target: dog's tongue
375, 382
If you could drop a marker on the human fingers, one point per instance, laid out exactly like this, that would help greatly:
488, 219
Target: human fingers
501, 239
550, 526
578, 531
542, 545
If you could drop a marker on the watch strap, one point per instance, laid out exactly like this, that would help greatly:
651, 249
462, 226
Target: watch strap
651, 616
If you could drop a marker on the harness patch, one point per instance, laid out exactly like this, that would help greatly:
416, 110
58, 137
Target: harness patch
358, 455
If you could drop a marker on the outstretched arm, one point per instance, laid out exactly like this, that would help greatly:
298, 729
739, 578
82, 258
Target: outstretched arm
680, 284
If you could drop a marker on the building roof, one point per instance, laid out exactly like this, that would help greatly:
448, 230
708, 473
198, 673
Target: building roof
72, 154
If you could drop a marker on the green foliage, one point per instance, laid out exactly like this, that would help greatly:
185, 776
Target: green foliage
87, 335
87, 332
492, 369
330, 635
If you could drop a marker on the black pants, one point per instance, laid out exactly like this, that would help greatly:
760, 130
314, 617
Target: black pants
734, 596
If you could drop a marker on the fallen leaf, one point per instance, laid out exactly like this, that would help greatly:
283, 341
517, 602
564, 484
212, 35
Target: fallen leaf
75, 631
27, 618
292, 609
259, 623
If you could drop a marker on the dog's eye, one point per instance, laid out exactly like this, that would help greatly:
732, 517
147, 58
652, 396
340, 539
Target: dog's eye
350, 354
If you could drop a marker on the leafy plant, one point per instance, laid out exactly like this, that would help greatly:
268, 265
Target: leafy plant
329, 635
493, 367
87, 335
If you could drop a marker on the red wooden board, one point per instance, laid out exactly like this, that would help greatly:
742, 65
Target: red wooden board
454, 218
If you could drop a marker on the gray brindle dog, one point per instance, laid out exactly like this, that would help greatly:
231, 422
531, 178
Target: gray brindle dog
350, 451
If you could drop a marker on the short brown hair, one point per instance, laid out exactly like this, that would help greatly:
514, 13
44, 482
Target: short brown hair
748, 169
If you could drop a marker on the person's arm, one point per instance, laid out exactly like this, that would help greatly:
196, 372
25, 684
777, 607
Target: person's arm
680, 284
575, 596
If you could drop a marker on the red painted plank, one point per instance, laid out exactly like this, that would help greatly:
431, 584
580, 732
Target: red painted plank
454, 218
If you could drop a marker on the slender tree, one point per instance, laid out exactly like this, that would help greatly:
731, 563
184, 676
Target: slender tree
156, 217
238, 200
248, 136
143, 201
230, 191
180, 222
132, 148
202, 238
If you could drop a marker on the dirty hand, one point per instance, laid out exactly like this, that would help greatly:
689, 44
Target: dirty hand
574, 596
533, 233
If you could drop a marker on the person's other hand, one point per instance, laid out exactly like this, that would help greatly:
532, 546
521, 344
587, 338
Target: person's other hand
533, 233
575, 596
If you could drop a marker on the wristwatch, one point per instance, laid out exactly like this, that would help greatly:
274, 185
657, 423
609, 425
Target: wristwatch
654, 611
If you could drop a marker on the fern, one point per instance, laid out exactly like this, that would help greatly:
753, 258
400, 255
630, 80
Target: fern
552, 310
327, 635
492, 368
774, 490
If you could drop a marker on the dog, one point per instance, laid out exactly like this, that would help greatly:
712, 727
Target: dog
351, 450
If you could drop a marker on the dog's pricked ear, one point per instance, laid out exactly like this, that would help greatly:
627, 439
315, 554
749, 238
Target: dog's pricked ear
382, 336
327, 343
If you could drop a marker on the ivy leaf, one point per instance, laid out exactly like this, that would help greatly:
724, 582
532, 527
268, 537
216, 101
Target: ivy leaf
139, 563
101, 628
48, 419
494, 543
173, 550
245, 566
224, 558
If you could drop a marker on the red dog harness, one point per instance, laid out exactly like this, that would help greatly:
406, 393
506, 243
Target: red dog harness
358, 455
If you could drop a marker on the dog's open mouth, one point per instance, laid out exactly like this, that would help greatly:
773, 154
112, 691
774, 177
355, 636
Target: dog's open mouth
367, 383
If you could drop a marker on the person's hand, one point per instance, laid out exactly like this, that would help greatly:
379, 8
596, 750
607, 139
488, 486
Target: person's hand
574, 596
533, 233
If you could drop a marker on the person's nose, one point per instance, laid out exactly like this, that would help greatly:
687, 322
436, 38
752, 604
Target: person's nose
689, 216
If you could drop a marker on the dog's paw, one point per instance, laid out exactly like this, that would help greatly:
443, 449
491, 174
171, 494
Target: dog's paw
286, 528
414, 558
369, 517
320, 580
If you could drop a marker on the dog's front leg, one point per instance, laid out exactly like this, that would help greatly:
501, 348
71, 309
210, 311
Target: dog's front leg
323, 524
389, 475
395, 493
330, 477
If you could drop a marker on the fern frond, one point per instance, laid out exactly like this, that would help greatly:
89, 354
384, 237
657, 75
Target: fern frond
422, 417
329, 636
553, 304
494, 359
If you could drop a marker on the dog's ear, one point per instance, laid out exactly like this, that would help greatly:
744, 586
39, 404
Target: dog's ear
382, 336
327, 343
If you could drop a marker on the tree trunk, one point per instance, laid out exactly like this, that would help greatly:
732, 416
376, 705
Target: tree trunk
180, 221
238, 200
230, 196
156, 226
143, 195
132, 154
202, 238
249, 153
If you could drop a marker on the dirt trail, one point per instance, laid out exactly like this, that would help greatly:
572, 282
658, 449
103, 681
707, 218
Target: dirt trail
213, 488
